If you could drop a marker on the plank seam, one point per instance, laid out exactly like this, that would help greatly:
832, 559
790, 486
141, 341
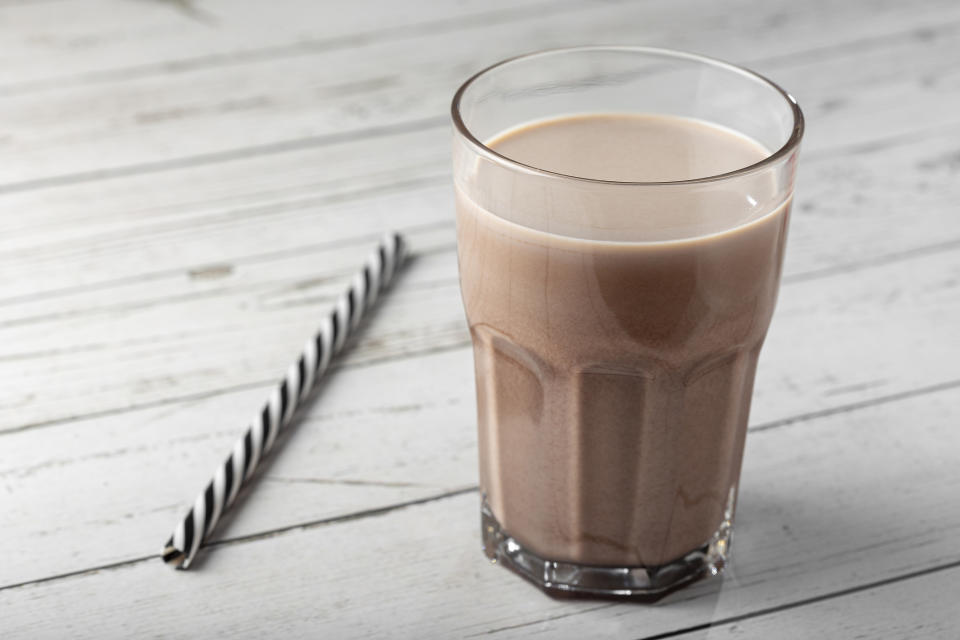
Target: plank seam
297, 48
806, 601
310, 524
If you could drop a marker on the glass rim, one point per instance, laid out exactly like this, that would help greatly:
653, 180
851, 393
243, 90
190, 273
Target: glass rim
787, 148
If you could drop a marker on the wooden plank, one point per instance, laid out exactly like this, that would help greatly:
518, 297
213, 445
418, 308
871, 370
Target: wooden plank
207, 115
52, 44
815, 518
203, 288
90, 233
837, 342
216, 318
919, 607
212, 338
87, 215
67, 488
111, 40
95, 233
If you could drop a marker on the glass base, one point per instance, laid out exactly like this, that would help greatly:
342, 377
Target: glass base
569, 579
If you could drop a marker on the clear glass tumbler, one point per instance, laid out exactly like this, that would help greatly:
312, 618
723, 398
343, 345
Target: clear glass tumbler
615, 348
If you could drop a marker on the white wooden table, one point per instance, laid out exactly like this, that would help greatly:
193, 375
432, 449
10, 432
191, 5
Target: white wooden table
184, 187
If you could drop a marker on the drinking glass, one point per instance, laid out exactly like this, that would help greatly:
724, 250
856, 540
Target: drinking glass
614, 349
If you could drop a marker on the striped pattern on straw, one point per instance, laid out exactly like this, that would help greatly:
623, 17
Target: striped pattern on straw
301, 377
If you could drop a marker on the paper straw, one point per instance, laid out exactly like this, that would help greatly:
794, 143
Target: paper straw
301, 377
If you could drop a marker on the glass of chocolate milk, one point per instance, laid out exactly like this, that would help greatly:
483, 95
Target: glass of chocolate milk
621, 220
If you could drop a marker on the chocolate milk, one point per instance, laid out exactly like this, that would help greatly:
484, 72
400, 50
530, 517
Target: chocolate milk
615, 353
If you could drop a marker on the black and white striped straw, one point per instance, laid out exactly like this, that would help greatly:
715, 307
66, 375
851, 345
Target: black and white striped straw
301, 377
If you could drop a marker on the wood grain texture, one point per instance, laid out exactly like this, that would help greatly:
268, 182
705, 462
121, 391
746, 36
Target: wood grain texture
909, 307
154, 341
187, 186
211, 114
76, 43
65, 42
918, 606
807, 527
223, 228
847, 219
